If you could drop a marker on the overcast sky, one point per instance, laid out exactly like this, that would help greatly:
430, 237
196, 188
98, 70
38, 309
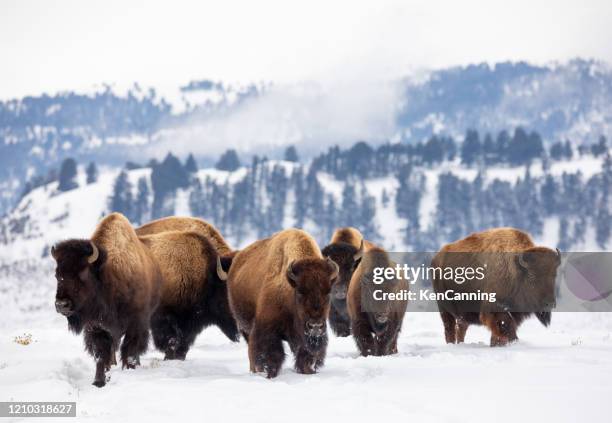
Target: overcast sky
46, 46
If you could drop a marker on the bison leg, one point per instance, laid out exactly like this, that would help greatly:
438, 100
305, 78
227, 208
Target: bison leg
502, 326
266, 350
386, 343
166, 334
461, 326
449, 322
340, 324
187, 336
134, 344
99, 343
305, 362
363, 338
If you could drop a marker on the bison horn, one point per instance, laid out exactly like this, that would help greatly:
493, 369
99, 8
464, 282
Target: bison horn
359, 253
290, 273
522, 261
220, 272
334, 266
94, 255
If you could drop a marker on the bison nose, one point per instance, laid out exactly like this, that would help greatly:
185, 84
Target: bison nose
340, 295
381, 318
63, 307
549, 305
315, 328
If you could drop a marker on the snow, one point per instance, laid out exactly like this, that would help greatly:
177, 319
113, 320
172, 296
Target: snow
556, 374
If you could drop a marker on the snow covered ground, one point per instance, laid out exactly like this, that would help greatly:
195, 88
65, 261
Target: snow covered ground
563, 374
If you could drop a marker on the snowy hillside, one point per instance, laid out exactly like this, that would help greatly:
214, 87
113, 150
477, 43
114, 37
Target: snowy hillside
111, 124
555, 374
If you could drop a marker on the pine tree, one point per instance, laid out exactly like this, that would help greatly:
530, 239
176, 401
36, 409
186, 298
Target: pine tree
471, 149
191, 166
600, 148
92, 173
142, 210
121, 199
291, 154
228, 161
349, 205
166, 178
367, 215
67, 175
602, 225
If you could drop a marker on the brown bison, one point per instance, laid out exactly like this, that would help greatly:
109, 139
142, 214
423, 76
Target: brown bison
193, 294
345, 248
192, 224
108, 287
520, 274
376, 310
279, 291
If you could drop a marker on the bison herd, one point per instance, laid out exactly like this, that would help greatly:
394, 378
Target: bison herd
175, 276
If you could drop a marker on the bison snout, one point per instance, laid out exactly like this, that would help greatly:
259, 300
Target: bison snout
64, 307
549, 305
340, 295
381, 319
315, 328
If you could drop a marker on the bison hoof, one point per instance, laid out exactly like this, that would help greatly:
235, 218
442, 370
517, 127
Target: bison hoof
307, 371
99, 383
131, 363
271, 372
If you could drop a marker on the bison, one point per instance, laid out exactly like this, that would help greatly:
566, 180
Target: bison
193, 294
192, 224
345, 248
376, 318
108, 287
519, 273
279, 291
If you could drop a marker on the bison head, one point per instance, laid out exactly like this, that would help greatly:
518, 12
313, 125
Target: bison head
77, 272
539, 269
312, 280
347, 257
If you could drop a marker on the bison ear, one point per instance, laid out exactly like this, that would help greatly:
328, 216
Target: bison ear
525, 260
359, 253
291, 276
